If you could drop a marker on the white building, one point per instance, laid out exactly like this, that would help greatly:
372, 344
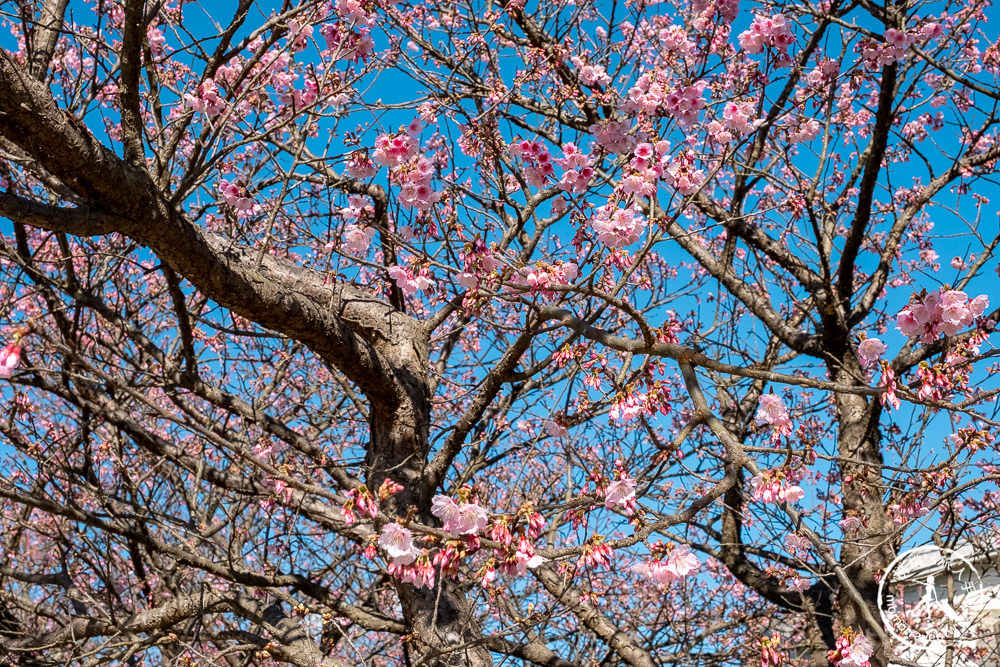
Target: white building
942, 606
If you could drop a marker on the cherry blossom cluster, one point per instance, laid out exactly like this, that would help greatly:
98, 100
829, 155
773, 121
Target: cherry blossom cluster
774, 31
239, 199
347, 41
362, 501
852, 650
620, 493
971, 438
206, 99
943, 312
618, 227
479, 262
707, 10
888, 383
355, 12
408, 282
408, 563
681, 173
737, 116
459, 518
538, 165
416, 191
577, 170
614, 136
516, 535
649, 96
771, 410
805, 130
906, 510
678, 563
392, 150
591, 75
641, 181
776, 486
541, 277
360, 166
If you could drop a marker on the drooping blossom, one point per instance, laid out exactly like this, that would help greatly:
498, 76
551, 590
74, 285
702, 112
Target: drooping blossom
775, 487
771, 410
419, 571
397, 542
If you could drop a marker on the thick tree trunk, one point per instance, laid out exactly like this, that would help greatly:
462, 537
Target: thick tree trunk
869, 551
444, 630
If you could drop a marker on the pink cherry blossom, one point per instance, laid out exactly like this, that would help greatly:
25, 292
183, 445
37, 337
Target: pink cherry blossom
850, 524
357, 239
459, 518
771, 410
407, 282
617, 227
620, 492
397, 542
870, 350
795, 543
10, 359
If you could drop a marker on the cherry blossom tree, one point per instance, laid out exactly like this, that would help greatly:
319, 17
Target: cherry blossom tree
470, 333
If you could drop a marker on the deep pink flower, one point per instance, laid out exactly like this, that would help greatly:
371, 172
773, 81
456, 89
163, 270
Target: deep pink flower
10, 358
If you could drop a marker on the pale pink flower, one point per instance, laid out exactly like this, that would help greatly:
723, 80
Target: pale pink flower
792, 494
397, 541
459, 518
555, 429
357, 239
620, 492
870, 350
850, 524
858, 653
682, 562
795, 543
798, 584
771, 410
